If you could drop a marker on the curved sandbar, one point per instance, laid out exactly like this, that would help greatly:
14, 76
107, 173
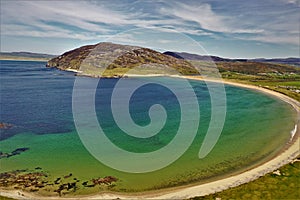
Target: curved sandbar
285, 157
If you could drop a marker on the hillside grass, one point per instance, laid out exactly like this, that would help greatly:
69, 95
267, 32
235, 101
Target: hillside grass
270, 186
288, 84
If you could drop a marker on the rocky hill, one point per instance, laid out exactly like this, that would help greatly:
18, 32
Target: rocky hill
114, 60
108, 59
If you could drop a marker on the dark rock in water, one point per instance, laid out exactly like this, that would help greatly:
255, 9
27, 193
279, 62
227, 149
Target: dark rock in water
71, 185
13, 153
8, 130
106, 180
85, 183
66, 186
68, 176
22, 180
5, 125
90, 186
57, 180
38, 168
3, 155
19, 150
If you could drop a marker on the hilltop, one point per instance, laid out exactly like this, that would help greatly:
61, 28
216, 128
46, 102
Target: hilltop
109, 59
114, 60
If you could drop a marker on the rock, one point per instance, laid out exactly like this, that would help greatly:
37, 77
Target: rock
68, 176
57, 181
277, 172
13, 153
5, 125
106, 180
85, 183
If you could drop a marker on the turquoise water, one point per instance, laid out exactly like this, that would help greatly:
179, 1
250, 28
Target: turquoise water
38, 103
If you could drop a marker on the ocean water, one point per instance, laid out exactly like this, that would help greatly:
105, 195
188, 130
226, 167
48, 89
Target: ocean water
37, 101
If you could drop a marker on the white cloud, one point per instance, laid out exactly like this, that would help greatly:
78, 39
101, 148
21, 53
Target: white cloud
201, 14
296, 2
85, 20
52, 32
205, 17
273, 38
78, 14
37, 18
279, 26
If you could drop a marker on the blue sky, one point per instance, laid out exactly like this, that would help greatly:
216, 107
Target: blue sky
227, 28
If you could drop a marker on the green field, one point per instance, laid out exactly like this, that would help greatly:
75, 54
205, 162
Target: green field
288, 84
270, 186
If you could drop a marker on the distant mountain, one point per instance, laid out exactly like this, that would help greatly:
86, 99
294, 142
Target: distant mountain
189, 56
25, 55
109, 59
288, 61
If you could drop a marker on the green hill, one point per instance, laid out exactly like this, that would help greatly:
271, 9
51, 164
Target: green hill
108, 59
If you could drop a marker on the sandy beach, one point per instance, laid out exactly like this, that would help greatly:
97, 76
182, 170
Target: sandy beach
286, 156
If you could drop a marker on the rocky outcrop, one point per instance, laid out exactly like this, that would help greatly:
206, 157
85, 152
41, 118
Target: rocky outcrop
13, 153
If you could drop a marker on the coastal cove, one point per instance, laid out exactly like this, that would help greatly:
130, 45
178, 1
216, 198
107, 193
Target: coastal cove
43, 123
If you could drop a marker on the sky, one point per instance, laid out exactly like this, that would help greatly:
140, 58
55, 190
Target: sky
226, 28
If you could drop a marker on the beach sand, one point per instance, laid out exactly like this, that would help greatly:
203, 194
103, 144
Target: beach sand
285, 157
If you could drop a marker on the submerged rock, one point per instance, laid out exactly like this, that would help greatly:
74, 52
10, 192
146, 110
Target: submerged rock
13, 153
106, 180
5, 125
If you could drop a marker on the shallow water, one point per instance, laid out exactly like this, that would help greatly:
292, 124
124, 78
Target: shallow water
37, 101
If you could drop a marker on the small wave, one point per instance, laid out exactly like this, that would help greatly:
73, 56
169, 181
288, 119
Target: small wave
293, 132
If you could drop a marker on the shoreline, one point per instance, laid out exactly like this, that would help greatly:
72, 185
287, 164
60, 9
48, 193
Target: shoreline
26, 59
287, 155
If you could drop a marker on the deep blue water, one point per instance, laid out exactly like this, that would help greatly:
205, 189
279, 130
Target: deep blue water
36, 99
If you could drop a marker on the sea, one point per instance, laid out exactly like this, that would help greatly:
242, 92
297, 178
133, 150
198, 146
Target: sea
36, 102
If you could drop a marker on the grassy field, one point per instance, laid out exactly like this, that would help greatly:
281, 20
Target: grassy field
271, 186
288, 84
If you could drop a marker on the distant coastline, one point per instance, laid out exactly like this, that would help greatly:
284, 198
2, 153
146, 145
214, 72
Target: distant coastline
25, 56
24, 59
